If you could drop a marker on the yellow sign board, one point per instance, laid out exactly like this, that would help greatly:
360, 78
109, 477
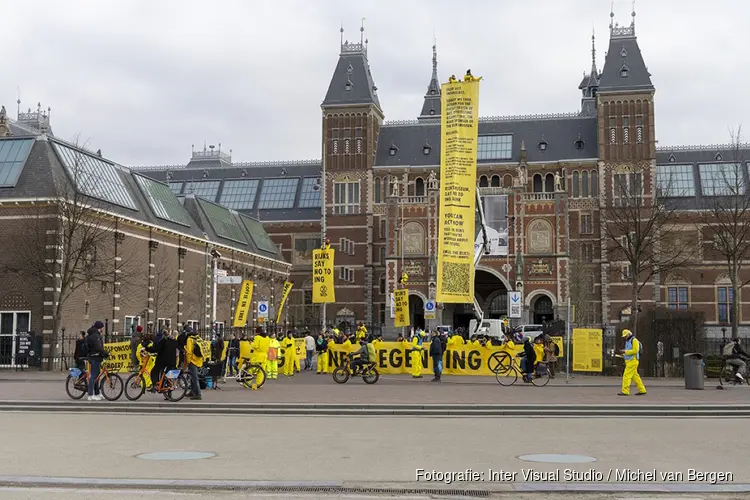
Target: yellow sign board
323, 291
119, 356
587, 350
284, 295
401, 299
243, 304
558, 341
458, 178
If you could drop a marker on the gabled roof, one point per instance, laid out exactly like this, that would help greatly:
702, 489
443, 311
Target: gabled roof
352, 82
624, 58
560, 132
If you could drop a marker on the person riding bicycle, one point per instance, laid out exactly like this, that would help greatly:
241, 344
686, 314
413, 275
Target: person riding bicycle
360, 358
736, 357
528, 360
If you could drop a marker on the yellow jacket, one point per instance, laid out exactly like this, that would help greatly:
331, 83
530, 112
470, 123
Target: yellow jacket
539, 350
245, 349
274, 350
458, 340
192, 358
347, 342
288, 345
415, 344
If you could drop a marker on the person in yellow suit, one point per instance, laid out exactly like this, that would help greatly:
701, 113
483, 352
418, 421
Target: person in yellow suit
452, 79
468, 77
416, 354
457, 339
289, 354
149, 359
361, 333
539, 350
321, 346
272, 363
245, 349
295, 357
632, 355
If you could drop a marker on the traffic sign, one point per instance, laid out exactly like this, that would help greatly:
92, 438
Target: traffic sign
263, 309
429, 309
221, 272
393, 306
229, 280
515, 304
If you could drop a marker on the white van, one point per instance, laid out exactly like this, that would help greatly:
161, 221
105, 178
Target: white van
530, 331
489, 327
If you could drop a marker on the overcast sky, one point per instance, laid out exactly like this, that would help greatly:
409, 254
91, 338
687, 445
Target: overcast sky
145, 80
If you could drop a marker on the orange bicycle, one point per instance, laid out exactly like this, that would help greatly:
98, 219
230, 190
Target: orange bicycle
173, 383
77, 383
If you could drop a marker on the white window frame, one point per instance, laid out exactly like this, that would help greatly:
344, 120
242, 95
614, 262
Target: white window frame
344, 194
193, 324
14, 335
626, 271
129, 322
162, 323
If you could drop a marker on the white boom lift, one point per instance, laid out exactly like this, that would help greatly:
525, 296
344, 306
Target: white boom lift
479, 251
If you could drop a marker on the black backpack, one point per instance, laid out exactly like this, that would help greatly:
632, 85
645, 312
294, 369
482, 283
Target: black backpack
557, 349
85, 347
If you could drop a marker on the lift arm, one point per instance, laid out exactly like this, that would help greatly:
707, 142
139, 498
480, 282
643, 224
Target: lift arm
479, 251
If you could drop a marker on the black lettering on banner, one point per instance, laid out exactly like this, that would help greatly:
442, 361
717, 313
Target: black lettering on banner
425, 358
447, 361
475, 360
407, 359
334, 359
459, 360
394, 358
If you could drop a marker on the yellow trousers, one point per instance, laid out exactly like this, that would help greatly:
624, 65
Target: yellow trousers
322, 362
631, 375
289, 365
272, 368
416, 363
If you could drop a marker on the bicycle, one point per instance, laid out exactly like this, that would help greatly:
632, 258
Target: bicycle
728, 375
173, 383
343, 372
249, 372
77, 383
540, 377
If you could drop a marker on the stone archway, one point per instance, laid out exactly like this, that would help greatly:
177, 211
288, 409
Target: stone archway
489, 286
542, 309
416, 309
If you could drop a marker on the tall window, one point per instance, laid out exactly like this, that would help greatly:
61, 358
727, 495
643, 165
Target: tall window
495, 181
576, 188
585, 184
594, 184
587, 226
626, 130
378, 192
677, 297
419, 187
549, 183
725, 304
639, 129
346, 197
587, 253
628, 185
538, 184
483, 182
613, 131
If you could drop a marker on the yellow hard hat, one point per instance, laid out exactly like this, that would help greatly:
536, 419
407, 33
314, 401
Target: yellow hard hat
626, 333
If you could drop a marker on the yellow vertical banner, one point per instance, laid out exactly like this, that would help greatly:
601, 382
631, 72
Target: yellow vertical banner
401, 299
587, 350
284, 295
323, 291
243, 304
459, 123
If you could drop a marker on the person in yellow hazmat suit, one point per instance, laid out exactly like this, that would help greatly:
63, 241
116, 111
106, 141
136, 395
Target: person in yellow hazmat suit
452, 79
416, 354
289, 354
458, 339
245, 349
145, 357
272, 363
361, 333
468, 77
632, 355
539, 349
295, 357
321, 347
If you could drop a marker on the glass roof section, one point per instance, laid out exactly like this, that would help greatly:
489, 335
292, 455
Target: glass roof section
223, 222
13, 154
309, 197
721, 179
259, 235
278, 193
203, 189
176, 187
239, 194
674, 180
163, 201
95, 177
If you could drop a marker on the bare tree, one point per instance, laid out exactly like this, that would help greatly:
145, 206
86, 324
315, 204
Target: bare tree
727, 215
165, 286
67, 243
641, 229
582, 281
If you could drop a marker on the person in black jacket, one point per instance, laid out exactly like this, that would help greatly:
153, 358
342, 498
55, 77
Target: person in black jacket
436, 353
181, 342
166, 357
528, 361
233, 352
95, 353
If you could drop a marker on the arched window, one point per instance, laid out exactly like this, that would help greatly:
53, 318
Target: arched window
419, 187
495, 181
594, 183
585, 184
549, 183
575, 184
507, 180
538, 183
483, 182
378, 193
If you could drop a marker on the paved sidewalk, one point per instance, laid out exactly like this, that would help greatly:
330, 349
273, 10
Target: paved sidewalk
398, 389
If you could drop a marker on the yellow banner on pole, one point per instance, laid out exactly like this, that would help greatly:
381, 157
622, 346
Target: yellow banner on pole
401, 299
243, 304
587, 350
323, 291
284, 294
459, 125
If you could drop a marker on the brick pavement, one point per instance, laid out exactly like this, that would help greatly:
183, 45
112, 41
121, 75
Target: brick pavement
398, 389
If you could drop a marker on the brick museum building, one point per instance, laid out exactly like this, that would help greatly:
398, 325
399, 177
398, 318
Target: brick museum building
129, 252
551, 175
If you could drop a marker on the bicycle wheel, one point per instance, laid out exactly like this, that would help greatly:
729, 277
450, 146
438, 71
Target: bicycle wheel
371, 376
500, 362
340, 375
253, 373
540, 380
135, 386
74, 387
508, 377
111, 386
178, 390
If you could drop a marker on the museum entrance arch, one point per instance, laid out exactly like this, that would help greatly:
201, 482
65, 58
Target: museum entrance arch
416, 311
542, 310
491, 293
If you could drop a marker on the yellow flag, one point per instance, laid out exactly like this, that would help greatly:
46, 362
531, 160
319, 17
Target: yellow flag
243, 304
284, 294
458, 176
401, 298
323, 276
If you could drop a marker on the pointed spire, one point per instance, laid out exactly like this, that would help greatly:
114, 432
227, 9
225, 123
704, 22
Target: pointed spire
342, 33
632, 23
431, 106
362, 32
593, 52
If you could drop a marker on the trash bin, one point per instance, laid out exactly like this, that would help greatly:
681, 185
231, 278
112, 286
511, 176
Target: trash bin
694, 371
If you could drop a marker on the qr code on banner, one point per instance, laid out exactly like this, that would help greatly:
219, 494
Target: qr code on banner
596, 363
456, 278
